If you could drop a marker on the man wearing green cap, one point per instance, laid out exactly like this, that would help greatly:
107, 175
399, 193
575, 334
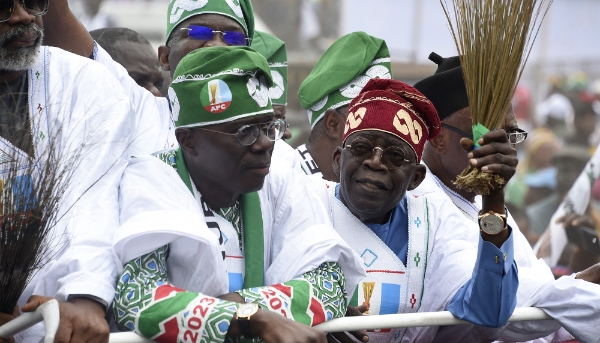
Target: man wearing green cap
190, 25
272, 229
341, 73
273, 49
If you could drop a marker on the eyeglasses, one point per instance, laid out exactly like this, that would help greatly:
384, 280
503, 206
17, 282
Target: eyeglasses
206, 33
392, 157
515, 136
248, 134
33, 7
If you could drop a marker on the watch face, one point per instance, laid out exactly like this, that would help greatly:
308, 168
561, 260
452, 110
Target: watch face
247, 310
491, 224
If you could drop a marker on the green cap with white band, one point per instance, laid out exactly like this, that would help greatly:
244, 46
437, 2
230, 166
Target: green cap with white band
220, 84
238, 10
342, 72
273, 49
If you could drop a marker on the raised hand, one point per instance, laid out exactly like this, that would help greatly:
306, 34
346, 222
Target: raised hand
495, 154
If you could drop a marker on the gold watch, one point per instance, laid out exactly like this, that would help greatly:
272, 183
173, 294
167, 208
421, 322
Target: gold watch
492, 223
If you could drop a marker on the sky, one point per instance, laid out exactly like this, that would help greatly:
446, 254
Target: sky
569, 33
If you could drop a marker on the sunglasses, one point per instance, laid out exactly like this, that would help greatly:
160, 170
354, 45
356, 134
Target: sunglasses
33, 7
232, 38
515, 136
392, 157
248, 134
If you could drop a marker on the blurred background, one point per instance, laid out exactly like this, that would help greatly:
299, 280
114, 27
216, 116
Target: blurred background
556, 102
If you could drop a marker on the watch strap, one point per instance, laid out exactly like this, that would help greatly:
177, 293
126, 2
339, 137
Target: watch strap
245, 327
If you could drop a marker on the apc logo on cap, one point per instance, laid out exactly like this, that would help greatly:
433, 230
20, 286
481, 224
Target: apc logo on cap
216, 96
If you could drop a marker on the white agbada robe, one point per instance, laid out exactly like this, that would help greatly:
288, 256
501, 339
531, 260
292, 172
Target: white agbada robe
155, 129
78, 103
536, 283
451, 257
298, 235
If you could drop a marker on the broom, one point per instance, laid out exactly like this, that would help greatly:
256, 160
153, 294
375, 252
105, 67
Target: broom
32, 186
494, 39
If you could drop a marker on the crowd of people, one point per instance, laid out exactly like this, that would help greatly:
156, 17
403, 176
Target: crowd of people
190, 219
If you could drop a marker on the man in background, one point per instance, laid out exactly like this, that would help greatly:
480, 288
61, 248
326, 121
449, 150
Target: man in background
339, 76
134, 53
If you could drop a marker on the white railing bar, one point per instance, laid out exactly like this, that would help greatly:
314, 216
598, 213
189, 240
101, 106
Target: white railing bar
48, 312
386, 321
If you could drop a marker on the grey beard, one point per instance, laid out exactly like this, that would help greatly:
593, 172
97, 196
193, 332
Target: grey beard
16, 59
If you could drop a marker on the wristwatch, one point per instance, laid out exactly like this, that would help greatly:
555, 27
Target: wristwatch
244, 313
492, 223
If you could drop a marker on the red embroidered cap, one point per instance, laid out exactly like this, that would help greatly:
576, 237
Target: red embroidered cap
396, 108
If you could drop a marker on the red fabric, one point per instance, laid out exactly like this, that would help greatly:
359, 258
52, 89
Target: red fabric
396, 108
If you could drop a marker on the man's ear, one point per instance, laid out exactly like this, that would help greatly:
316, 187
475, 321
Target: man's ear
418, 177
334, 124
438, 144
163, 57
335, 160
185, 137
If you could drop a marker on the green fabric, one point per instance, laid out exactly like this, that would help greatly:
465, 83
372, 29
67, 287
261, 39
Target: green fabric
273, 49
182, 169
238, 10
342, 72
140, 304
220, 84
478, 131
254, 242
251, 212
312, 298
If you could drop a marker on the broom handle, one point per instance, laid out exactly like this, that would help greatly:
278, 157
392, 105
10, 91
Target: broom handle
47, 312
378, 322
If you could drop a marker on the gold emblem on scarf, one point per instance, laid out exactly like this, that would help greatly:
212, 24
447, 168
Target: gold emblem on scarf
213, 93
368, 288
354, 119
410, 126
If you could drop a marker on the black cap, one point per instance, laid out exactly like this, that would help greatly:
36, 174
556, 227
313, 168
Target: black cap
446, 88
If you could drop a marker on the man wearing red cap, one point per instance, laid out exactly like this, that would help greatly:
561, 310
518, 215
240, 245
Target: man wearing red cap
412, 264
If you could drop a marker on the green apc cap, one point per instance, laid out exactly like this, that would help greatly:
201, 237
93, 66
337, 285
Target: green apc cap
273, 49
342, 72
220, 84
238, 10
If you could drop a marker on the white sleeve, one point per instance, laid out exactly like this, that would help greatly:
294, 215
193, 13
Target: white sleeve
94, 117
154, 129
158, 209
303, 236
286, 153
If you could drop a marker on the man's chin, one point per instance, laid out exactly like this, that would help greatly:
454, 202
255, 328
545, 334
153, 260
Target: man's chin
19, 58
254, 185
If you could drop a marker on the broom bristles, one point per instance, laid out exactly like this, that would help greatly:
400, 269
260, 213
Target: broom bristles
494, 39
34, 187
31, 190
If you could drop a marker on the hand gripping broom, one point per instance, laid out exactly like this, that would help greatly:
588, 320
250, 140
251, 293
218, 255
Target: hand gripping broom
494, 39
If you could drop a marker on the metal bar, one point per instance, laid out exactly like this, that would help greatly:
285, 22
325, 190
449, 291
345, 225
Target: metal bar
48, 312
417, 319
379, 322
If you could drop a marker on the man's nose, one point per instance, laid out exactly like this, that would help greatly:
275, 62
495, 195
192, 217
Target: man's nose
218, 40
20, 15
